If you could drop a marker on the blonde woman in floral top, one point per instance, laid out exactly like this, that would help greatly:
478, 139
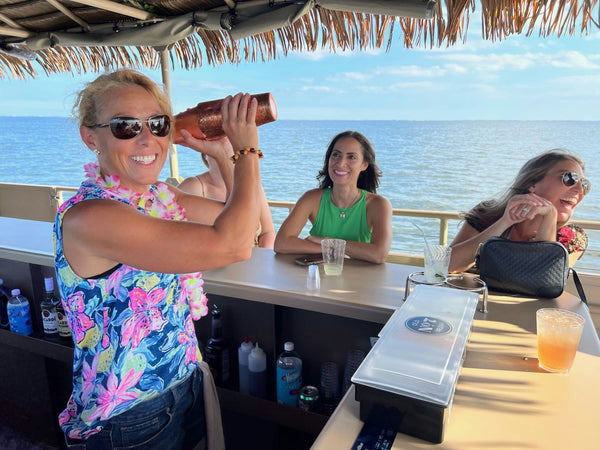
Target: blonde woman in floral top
537, 207
128, 255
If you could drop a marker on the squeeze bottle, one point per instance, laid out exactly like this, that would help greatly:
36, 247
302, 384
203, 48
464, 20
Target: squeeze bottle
243, 352
257, 366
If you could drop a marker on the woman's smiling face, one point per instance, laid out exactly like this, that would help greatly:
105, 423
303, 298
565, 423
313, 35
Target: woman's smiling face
564, 198
139, 160
346, 161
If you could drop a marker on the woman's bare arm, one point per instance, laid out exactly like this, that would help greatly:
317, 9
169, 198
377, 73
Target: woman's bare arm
102, 233
306, 208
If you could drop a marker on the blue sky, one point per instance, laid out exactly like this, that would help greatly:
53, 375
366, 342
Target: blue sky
523, 78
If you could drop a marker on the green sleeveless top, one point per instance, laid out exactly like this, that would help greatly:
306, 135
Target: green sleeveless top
349, 224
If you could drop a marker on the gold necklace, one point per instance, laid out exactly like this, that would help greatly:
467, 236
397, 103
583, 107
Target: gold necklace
343, 211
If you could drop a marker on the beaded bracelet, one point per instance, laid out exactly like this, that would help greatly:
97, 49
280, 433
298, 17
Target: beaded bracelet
245, 151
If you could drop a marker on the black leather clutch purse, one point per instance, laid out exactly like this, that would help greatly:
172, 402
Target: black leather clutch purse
532, 269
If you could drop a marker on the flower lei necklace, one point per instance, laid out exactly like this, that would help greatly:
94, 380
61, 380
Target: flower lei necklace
158, 202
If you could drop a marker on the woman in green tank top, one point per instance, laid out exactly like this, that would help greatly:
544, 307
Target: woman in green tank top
344, 206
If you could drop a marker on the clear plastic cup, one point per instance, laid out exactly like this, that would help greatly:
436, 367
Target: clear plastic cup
333, 256
558, 334
437, 260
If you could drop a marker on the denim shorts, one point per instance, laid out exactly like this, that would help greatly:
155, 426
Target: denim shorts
174, 419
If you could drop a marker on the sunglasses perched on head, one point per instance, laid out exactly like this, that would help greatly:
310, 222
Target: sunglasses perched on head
130, 127
571, 179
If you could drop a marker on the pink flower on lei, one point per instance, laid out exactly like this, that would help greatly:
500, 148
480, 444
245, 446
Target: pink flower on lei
192, 286
146, 316
92, 173
114, 394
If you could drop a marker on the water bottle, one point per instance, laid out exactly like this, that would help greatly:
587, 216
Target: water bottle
207, 118
19, 314
243, 353
289, 376
4, 296
257, 367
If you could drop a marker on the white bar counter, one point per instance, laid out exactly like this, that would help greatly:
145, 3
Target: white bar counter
365, 291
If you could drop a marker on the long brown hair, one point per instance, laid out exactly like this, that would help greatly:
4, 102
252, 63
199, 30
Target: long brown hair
489, 211
368, 178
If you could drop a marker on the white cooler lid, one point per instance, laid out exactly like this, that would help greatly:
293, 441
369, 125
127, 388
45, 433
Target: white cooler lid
420, 349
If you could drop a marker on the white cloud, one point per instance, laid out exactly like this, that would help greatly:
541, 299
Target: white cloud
325, 89
410, 71
572, 59
320, 53
348, 76
593, 36
415, 86
587, 86
498, 62
456, 68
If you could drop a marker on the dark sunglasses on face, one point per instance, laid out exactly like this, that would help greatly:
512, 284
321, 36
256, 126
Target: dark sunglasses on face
130, 127
571, 179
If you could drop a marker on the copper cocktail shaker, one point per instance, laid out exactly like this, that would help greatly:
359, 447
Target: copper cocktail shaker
206, 117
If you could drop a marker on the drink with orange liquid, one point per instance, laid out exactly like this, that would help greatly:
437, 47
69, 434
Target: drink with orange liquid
558, 334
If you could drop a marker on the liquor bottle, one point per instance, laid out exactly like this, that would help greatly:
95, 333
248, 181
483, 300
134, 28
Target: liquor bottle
64, 330
243, 353
19, 313
257, 367
48, 308
206, 117
4, 296
217, 353
289, 376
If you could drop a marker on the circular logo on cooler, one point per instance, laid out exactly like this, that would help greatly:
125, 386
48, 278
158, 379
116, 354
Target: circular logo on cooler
428, 325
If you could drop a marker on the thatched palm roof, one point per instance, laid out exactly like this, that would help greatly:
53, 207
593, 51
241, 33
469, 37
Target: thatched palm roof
90, 35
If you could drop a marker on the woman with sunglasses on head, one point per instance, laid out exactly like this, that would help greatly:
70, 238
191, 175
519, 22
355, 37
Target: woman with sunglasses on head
128, 252
345, 206
537, 207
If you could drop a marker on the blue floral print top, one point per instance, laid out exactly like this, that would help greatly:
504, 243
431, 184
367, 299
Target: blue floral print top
132, 329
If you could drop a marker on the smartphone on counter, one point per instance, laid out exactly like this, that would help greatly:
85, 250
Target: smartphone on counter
307, 260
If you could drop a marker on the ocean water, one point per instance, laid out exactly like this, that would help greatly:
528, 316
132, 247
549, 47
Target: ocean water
427, 165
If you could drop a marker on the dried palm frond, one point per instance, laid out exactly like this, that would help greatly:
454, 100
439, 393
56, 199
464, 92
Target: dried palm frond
320, 28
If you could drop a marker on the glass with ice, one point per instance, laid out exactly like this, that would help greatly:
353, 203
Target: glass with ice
558, 334
437, 260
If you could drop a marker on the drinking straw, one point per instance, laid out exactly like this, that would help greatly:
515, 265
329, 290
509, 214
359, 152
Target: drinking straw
428, 248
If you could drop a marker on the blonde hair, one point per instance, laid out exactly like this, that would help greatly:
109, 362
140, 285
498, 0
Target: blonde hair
90, 100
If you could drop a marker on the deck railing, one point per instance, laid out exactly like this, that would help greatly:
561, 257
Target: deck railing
40, 202
443, 218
